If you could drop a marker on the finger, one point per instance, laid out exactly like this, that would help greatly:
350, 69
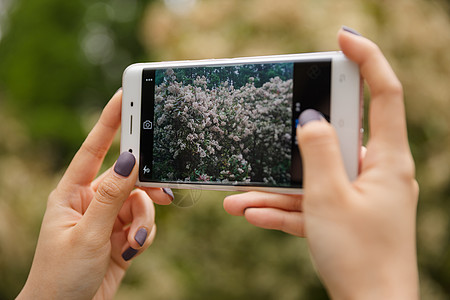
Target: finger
99, 179
387, 114
321, 155
237, 204
291, 222
87, 161
102, 212
139, 212
130, 252
163, 196
362, 155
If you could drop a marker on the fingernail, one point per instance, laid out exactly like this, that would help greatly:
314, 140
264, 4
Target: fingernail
169, 192
124, 164
351, 30
309, 115
129, 254
141, 236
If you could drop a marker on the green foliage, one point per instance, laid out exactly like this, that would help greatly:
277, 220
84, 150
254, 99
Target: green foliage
237, 76
48, 72
41, 66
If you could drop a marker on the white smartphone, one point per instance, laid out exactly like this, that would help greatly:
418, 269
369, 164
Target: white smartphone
230, 124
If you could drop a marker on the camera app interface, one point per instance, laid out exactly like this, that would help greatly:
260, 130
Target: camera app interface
231, 125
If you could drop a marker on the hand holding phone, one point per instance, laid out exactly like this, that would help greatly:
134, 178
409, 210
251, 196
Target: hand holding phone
230, 124
361, 233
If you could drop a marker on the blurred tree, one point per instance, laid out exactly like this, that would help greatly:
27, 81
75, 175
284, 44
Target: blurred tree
61, 60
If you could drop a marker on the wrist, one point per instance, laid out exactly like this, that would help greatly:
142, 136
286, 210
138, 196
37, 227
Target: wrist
28, 292
36, 289
379, 283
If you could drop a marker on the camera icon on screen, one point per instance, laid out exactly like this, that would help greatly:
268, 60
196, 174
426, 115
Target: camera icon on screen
147, 125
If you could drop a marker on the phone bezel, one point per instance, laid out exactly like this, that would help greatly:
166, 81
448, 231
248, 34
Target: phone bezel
345, 110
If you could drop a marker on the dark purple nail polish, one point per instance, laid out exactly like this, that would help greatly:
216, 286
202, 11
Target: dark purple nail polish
308, 116
351, 30
169, 192
125, 164
129, 254
141, 236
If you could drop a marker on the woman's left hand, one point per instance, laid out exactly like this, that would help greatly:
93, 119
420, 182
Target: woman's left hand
92, 227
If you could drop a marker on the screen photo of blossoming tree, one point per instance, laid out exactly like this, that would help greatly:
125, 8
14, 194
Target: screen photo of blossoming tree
224, 124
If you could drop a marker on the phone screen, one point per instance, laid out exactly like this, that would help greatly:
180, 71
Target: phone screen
228, 125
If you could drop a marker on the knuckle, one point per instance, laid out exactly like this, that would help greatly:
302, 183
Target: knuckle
105, 122
394, 88
97, 152
392, 85
406, 167
403, 170
374, 49
109, 190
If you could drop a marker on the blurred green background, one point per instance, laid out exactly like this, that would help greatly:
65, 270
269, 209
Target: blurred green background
60, 61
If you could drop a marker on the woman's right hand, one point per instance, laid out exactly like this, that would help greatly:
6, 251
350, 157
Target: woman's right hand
361, 234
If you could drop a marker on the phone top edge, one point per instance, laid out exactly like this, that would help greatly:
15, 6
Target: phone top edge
240, 60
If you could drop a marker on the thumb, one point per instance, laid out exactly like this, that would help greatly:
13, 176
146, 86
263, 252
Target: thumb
323, 166
110, 196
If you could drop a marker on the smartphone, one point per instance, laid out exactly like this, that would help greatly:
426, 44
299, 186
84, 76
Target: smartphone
230, 124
